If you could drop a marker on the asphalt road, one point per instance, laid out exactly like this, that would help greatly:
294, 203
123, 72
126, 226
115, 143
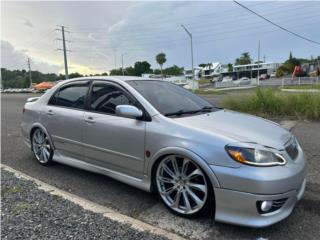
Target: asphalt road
302, 224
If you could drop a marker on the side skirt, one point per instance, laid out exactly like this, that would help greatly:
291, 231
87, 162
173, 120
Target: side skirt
143, 184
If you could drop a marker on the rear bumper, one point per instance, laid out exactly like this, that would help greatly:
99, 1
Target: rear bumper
240, 208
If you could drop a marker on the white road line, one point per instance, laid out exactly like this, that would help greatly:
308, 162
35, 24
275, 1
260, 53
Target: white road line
94, 207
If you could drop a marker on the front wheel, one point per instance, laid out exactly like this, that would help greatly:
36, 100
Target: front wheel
183, 186
41, 147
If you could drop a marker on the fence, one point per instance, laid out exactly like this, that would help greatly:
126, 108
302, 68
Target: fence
269, 82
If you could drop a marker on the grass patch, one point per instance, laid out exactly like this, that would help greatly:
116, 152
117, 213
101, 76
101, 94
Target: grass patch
12, 190
312, 86
203, 91
268, 103
20, 207
204, 81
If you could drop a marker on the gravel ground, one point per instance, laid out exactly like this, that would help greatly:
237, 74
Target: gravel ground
30, 213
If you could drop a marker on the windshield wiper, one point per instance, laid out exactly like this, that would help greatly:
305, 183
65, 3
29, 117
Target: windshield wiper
208, 108
180, 112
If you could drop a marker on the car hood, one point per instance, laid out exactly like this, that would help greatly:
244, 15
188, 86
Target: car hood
240, 127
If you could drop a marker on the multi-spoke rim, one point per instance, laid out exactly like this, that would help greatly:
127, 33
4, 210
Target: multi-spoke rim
41, 146
182, 184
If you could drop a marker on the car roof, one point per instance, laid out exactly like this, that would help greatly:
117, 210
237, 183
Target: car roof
112, 78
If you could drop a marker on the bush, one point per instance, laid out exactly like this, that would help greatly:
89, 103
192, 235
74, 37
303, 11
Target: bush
267, 103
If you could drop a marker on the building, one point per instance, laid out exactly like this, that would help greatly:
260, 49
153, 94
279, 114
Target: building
251, 70
214, 69
312, 68
197, 73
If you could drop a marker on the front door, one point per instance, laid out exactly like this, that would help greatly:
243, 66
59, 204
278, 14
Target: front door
113, 141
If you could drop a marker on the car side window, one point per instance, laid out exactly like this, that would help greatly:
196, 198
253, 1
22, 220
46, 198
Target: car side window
105, 97
72, 96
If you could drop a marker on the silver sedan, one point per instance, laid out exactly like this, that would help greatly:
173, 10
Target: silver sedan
159, 137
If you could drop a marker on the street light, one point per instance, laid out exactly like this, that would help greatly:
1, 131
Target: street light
190, 35
122, 62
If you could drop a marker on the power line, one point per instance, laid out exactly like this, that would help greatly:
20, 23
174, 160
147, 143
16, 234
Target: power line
209, 37
277, 25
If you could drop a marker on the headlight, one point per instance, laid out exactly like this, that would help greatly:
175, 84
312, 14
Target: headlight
255, 156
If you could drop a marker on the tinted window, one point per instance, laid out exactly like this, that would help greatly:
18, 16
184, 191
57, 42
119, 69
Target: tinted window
169, 98
72, 96
105, 98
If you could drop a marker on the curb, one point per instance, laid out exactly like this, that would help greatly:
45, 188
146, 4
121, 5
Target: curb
300, 90
94, 207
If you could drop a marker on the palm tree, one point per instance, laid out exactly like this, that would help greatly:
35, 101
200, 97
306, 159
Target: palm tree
161, 59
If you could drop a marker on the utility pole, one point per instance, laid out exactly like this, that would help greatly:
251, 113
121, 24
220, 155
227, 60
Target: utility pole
122, 54
264, 59
115, 58
190, 35
258, 81
30, 75
64, 49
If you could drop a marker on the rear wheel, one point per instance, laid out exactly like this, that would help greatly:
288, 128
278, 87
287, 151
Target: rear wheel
183, 186
41, 147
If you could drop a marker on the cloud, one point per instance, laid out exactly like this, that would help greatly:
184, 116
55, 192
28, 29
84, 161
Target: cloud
16, 59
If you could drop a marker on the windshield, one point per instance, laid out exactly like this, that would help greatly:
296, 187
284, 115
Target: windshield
170, 99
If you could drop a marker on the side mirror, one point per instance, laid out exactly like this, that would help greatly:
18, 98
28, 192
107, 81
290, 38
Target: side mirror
128, 111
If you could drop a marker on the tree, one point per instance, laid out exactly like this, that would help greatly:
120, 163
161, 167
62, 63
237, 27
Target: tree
157, 71
230, 67
244, 59
288, 66
20, 78
142, 67
161, 59
115, 72
75, 75
173, 71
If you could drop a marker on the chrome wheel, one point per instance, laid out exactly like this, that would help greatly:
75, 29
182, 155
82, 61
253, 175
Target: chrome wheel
41, 146
182, 185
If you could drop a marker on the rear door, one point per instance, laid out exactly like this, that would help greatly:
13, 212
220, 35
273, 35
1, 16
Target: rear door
113, 141
64, 118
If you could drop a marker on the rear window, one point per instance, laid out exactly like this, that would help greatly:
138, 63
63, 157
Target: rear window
71, 96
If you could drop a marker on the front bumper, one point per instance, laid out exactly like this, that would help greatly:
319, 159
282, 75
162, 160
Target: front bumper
240, 208
241, 188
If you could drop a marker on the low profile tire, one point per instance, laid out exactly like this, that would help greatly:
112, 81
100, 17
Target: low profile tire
183, 187
41, 147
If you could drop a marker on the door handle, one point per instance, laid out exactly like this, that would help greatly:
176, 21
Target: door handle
50, 112
90, 120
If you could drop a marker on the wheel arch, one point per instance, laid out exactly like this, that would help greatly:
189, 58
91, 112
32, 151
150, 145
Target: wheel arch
39, 125
162, 153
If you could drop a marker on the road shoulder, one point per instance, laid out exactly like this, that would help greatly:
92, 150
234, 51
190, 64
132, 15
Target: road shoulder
33, 209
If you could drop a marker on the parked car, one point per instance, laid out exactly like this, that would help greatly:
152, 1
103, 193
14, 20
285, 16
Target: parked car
264, 76
227, 79
242, 81
157, 136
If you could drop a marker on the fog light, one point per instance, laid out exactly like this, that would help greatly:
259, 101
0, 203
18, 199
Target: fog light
266, 206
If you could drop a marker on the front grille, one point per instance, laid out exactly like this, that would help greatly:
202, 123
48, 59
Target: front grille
292, 149
279, 203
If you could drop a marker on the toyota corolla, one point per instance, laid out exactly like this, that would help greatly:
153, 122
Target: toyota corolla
157, 136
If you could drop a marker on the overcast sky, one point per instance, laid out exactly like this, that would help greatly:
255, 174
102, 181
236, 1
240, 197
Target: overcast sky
101, 31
